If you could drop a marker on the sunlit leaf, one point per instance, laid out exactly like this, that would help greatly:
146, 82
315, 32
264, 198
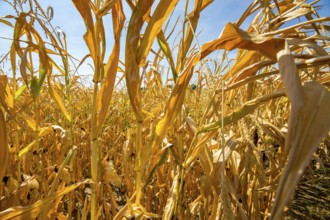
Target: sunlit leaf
309, 122
111, 67
167, 51
58, 100
106, 7
162, 11
233, 37
20, 91
26, 149
132, 75
6, 96
6, 22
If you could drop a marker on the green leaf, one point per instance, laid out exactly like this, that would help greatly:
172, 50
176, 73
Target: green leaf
34, 86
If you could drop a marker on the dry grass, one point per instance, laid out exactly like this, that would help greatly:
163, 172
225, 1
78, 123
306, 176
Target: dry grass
207, 139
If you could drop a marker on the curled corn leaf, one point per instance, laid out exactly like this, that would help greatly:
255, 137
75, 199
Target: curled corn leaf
251, 70
85, 12
107, 87
133, 79
195, 152
106, 7
309, 122
244, 59
162, 11
232, 37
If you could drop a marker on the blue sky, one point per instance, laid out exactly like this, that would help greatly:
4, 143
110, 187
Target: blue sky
212, 21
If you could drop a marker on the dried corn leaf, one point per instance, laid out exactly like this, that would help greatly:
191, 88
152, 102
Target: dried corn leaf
244, 59
94, 35
19, 92
30, 121
58, 100
34, 210
30, 182
137, 211
63, 172
249, 79
291, 79
206, 160
247, 108
13, 58
4, 155
123, 211
190, 126
107, 87
24, 64
194, 206
6, 22
172, 199
6, 96
229, 148
192, 20
290, 13
133, 79
309, 123
53, 128
26, 149
172, 108
306, 130
251, 70
162, 11
167, 51
18, 30
106, 7
156, 161
195, 151
110, 174
232, 37
42, 132
89, 37
286, 5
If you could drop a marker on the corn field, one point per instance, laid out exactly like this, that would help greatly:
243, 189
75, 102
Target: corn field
168, 131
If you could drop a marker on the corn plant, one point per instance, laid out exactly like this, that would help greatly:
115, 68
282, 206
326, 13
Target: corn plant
171, 130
